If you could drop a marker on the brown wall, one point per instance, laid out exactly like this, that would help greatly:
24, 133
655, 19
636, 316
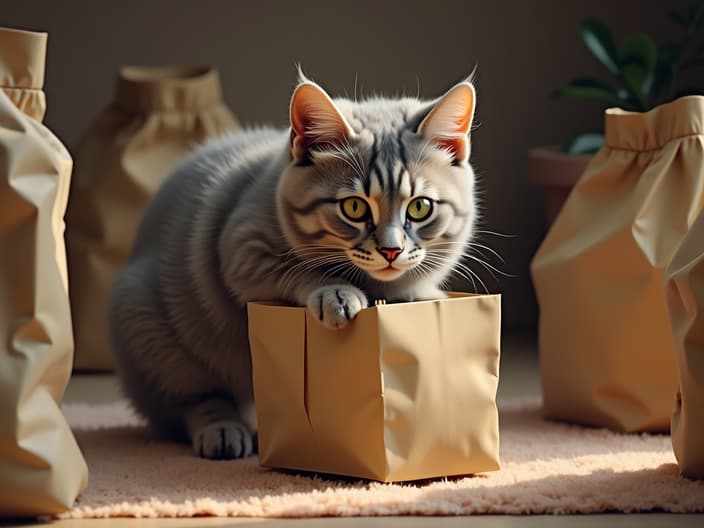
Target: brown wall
523, 49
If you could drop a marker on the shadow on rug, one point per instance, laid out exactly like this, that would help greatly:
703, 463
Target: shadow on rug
546, 468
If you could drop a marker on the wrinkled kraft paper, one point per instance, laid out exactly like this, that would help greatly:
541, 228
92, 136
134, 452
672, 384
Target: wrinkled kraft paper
685, 298
157, 117
606, 351
406, 391
41, 468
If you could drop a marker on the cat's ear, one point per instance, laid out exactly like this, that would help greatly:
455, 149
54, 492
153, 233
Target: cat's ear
448, 123
315, 121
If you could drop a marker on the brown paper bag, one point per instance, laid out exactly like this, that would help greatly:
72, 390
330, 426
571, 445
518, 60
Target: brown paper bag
685, 298
606, 349
406, 391
41, 468
158, 115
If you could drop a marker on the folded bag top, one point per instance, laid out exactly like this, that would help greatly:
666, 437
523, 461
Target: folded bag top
636, 131
168, 88
406, 391
606, 348
41, 467
22, 64
157, 116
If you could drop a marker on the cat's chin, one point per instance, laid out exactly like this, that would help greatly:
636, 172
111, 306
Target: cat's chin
387, 274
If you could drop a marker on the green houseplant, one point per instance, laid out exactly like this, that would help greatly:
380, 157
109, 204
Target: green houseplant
640, 76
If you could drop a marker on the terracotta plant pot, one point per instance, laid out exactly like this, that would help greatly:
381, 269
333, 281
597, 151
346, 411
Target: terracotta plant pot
556, 172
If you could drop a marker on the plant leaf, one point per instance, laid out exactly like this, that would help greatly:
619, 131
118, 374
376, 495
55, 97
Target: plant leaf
695, 16
638, 58
669, 53
590, 90
591, 82
598, 39
694, 63
678, 18
585, 143
634, 77
664, 73
689, 91
665, 67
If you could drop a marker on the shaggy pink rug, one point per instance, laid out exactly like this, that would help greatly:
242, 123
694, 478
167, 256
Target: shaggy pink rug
546, 468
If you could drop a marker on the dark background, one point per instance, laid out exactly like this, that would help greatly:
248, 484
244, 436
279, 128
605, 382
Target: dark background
523, 50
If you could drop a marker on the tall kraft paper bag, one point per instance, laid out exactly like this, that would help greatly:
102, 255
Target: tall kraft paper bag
606, 351
406, 391
685, 299
158, 115
41, 468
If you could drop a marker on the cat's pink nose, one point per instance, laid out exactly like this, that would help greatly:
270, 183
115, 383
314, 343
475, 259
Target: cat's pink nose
390, 254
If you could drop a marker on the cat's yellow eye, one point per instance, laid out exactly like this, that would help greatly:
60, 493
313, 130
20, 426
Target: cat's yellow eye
354, 208
419, 209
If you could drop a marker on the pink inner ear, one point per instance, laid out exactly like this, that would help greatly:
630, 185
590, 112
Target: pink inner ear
463, 123
301, 112
449, 122
457, 146
315, 120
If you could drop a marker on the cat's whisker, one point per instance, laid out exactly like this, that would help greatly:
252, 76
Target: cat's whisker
332, 271
467, 269
301, 248
489, 267
306, 266
479, 247
341, 268
309, 252
460, 269
313, 259
356, 274
467, 273
345, 273
317, 262
415, 272
464, 252
494, 233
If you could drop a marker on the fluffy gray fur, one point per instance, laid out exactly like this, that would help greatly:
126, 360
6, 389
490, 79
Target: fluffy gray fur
261, 215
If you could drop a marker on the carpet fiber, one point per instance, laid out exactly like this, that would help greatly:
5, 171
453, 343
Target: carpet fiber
546, 468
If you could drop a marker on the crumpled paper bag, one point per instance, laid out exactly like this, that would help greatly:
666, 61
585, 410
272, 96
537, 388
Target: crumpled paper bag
157, 116
41, 468
405, 391
606, 351
685, 298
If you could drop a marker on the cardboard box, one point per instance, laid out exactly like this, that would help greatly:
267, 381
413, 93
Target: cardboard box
406, 391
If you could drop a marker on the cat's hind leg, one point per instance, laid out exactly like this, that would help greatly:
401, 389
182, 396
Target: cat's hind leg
216, 430
165, 383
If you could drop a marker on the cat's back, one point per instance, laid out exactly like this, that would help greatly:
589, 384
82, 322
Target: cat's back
235, 160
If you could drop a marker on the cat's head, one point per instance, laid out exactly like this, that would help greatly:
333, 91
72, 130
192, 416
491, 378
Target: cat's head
380, 189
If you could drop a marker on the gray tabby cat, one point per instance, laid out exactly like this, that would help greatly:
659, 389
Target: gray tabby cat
356, 201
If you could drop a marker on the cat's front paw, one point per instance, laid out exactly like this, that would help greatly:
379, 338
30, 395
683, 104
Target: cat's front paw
336, 305
224, 440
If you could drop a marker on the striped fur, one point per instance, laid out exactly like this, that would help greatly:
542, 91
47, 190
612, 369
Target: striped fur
258, 215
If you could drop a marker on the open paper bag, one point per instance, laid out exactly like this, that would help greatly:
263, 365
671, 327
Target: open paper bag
406, 391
